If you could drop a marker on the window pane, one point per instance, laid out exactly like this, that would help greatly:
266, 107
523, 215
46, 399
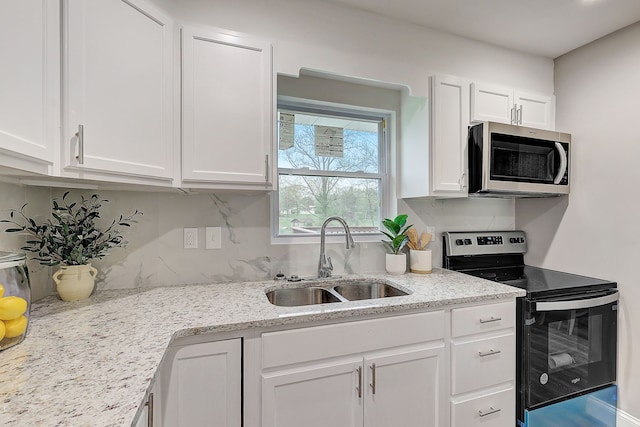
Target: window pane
330, 144
306, 201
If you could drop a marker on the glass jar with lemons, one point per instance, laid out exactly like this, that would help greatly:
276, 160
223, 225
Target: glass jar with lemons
15, 299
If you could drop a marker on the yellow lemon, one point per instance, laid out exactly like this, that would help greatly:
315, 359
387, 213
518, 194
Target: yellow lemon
2, 329
12, 307
1, 290
16, 327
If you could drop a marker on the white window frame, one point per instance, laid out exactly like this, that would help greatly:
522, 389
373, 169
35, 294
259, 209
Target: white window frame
387, 209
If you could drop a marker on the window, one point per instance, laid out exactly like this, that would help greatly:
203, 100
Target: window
331, 161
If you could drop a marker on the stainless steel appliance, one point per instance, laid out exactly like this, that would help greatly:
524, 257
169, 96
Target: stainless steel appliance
566, 331
516, 161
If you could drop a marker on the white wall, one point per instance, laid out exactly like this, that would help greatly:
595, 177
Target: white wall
322, 36
596, 230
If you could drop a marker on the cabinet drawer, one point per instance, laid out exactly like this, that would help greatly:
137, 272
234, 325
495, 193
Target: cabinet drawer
482, 318
489, 410
483, 362
320, 342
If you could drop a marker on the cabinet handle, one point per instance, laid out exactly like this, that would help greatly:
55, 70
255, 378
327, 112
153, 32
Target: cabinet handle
491, 319
149, 406
373, 378
80, 136
359, 387
513, 114
489, 353
266, 168
519, 115
491, 410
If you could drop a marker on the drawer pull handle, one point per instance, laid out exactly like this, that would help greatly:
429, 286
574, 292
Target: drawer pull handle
491, 410
149, 406
359, 387
373, 378
491, 319
489, 353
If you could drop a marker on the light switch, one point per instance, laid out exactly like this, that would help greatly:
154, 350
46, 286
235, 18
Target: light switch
214, 238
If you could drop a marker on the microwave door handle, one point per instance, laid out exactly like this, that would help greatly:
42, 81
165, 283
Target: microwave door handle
563, 163
576, 304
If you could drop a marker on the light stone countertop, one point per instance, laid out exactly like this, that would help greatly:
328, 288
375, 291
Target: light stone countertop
90, 363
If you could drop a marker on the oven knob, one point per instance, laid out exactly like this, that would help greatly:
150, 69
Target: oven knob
513, 240
459, 242
467, 241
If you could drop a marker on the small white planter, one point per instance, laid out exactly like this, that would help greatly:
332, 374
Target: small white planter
75, 282
420, 261
396, 264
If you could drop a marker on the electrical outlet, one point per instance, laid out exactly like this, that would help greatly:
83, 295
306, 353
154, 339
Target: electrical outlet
190, 238
214, 238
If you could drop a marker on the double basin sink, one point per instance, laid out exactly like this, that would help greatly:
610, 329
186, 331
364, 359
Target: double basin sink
320, 292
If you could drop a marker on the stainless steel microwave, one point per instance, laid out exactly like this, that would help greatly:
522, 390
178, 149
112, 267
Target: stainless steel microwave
516, 161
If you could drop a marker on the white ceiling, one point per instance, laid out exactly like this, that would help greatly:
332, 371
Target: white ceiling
542, 27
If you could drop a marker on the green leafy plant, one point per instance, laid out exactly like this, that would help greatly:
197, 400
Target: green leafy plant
71, 236
397, 233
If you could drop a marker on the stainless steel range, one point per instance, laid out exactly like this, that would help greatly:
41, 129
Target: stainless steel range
566, 332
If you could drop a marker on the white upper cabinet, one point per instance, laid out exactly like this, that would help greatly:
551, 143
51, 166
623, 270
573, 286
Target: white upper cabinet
449, 113
512, 106
29, 84
118, 91
228, 109
433, 153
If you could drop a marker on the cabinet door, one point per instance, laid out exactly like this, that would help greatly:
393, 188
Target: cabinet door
227, 109
29, 83
205, 384
450, 118
118, 86
318, 395
406, 388
492, 103
535, 110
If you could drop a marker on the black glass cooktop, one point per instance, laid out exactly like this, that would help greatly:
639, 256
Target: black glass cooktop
536, 280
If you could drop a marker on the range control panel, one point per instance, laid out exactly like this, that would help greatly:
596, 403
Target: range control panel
484, 243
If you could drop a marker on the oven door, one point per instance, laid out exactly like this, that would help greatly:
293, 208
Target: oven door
569, 345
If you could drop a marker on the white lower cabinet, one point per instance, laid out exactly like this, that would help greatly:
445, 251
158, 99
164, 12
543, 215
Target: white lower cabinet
202, 385
398, 388
374, 373
318, 395
403, 388
483, 366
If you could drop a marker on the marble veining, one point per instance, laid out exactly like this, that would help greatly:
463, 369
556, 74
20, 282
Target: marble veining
90, 363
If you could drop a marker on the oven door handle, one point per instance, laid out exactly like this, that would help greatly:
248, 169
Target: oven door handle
576, 304
563, 163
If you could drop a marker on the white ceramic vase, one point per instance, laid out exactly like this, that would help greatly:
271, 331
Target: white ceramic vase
396, 264
75, 282
420, 261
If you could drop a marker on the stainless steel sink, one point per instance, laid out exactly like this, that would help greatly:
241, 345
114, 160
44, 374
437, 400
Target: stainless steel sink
332, 291
291, 297
367, 290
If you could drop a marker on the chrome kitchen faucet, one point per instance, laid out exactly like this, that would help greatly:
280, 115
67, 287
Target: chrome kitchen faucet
324, 265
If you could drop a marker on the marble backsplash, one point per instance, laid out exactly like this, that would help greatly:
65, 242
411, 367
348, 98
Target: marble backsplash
155, 254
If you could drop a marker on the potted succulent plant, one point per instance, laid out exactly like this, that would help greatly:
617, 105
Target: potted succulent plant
395, 261
71, 238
